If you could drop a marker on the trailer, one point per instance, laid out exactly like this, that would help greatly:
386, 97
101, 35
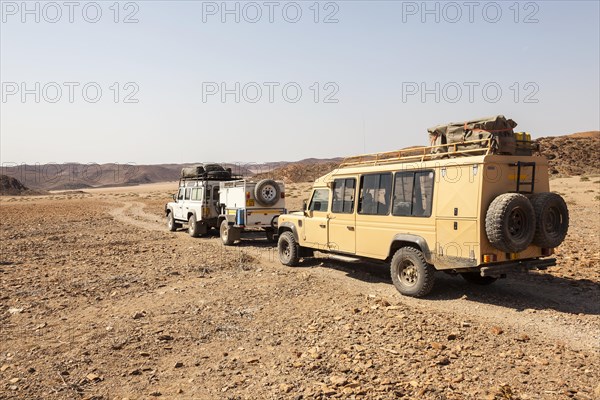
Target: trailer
250, 206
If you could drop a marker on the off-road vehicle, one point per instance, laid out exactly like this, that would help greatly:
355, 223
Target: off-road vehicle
250, 206
197, 200
467, 205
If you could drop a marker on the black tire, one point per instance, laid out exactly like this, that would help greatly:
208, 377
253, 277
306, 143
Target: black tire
267, 192
193, 226
552, 219
171, 224
510, 222
213, 167
411, 274
288, 249
225, 231
270, 233
477, 279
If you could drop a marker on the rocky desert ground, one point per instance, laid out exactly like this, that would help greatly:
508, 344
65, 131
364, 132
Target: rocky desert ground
99, 301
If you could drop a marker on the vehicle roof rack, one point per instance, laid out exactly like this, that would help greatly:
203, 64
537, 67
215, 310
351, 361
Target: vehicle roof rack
421, 154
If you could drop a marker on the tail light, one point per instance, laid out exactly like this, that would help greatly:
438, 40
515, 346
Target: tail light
247, 195
283, 195
488, 258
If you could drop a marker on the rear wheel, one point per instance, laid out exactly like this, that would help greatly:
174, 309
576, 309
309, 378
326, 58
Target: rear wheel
225, 231
288, 249
193, 226
411, 274
477, 279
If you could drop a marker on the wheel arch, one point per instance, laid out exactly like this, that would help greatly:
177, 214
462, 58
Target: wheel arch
406, 239
288, 227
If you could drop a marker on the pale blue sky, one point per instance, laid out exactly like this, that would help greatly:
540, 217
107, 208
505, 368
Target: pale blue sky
375, 51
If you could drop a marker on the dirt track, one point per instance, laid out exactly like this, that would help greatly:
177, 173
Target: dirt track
99, 300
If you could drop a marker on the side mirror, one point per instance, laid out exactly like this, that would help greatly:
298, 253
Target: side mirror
304, 205
174, 196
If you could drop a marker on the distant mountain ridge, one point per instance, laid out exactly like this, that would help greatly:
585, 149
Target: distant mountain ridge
573, 154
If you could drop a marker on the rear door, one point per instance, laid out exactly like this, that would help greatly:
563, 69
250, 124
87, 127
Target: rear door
342, 221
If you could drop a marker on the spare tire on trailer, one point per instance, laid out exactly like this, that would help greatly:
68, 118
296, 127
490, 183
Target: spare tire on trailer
510, 222
267, 192
552, 219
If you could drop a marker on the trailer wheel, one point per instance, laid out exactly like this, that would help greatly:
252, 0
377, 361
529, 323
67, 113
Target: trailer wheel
267, 192
226, 236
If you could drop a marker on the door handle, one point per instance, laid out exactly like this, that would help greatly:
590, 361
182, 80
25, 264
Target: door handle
350, 228
322, 225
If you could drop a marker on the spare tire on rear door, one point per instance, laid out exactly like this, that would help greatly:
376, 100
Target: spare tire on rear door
552, 219
267, 192
510, 222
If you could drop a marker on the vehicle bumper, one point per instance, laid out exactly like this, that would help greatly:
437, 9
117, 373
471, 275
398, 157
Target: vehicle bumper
518, 265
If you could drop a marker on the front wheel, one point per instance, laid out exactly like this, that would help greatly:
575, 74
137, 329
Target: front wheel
288, 249
411, 274
171, 224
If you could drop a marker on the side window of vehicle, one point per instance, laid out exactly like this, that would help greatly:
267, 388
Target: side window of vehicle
180, 194
343, 196
423, 194
188, 192
375, 194
403, 193
196, 194
216, 193
320, 200
413, 194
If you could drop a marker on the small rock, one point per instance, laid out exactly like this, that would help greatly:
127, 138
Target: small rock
138, 315
496, 330
452, 336
93, 377
285, 388
14, 380
135, 372
338, 380
465, 324
144, 354
178, 364
4, 367
31, 370
252, 360
443, 361
156, 394
165, 337
437, 346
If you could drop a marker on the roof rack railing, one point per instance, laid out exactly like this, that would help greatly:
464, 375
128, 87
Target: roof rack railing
420, 153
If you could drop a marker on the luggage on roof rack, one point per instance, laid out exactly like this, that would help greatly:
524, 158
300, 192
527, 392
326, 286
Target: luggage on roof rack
496, 128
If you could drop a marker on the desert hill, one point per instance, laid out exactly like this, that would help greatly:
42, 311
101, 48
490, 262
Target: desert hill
10, 186
576, 154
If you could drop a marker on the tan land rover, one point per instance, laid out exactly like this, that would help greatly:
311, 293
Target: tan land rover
479, 207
